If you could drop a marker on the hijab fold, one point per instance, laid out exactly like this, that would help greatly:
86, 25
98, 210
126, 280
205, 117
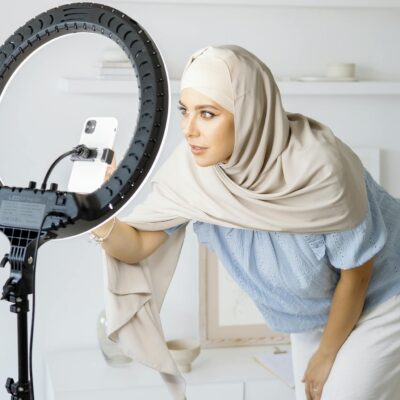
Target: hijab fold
287, 172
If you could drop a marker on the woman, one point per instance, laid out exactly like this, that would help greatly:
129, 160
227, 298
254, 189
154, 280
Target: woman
294, 217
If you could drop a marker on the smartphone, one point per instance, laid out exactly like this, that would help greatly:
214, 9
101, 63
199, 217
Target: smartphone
88, 175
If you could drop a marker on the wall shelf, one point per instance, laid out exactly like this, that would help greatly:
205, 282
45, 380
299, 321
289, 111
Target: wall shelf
119, 85
363, 88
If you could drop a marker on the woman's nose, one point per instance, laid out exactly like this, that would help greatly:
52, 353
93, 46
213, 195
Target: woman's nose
189, 126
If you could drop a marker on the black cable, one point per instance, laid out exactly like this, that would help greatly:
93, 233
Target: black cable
33, 302
44, 184
81, 151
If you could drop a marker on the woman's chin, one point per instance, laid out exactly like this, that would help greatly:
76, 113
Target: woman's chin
202, 163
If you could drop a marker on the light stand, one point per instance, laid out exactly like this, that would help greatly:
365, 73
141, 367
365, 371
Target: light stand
16, 290
30, 217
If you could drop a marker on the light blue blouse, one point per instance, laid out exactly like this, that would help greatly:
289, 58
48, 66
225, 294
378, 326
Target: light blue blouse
291, 277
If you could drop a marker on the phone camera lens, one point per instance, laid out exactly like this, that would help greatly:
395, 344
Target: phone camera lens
90, 126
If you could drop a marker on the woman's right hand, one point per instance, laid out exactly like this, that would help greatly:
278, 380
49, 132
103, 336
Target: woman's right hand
104, 228
111, 168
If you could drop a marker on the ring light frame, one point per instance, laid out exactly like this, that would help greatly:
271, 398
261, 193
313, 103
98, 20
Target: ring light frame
85, 211
26, 213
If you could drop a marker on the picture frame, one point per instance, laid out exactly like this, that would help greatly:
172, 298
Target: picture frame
241, 323
371, 159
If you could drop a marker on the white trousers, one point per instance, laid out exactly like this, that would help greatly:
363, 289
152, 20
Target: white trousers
367, 366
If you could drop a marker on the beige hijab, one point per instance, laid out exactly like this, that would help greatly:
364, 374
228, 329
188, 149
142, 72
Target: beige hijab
287, 173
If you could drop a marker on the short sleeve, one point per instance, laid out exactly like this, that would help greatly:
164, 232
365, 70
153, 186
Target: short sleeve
354, 247
171, 230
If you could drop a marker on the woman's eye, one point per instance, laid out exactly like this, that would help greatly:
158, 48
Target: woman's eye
208, 112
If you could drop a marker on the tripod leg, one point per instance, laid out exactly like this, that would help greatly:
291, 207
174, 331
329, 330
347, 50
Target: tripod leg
21, 390
23, 367
16, 291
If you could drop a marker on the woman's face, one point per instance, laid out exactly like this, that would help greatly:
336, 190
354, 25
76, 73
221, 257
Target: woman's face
206, 124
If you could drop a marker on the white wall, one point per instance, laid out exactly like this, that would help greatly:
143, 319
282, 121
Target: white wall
291, 41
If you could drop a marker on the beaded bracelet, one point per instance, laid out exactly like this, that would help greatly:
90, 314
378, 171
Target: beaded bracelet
99, 239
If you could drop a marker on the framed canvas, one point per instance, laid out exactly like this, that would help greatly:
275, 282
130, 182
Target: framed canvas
228, 317
371, 159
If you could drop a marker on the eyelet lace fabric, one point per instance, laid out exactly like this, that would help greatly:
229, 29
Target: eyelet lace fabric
291, 277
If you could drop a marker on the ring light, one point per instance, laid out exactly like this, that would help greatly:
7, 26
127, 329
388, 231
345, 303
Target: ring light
85, 211
31, 216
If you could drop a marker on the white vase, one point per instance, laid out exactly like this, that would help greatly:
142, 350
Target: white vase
111, 352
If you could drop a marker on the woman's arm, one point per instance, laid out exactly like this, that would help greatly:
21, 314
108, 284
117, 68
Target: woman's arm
347, 304
124, 242
127, 243
346, 308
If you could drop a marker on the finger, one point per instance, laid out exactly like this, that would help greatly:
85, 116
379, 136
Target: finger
315, 394
107, 175
311, 394
308, 392
114, 161
318, 393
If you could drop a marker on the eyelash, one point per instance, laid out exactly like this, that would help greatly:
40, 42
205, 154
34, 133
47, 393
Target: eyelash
208, 112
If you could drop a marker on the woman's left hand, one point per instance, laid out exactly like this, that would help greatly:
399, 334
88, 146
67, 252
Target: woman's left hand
316, 374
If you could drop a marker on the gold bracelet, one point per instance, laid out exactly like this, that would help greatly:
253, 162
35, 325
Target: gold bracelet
99, 239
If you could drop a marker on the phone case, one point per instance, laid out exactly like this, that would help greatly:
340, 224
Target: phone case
87, 176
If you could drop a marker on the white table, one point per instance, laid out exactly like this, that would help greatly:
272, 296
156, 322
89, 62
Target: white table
223, 373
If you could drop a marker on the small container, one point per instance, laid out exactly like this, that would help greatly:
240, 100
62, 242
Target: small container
341, 70
184, 352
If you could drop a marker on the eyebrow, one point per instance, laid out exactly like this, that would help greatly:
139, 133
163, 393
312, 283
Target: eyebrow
200, 106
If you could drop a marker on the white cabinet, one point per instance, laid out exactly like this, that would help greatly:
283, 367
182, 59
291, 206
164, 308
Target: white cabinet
267, 390
224, 373
211, 391
231, 391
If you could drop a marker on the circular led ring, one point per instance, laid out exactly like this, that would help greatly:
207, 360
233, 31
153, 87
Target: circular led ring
154, 94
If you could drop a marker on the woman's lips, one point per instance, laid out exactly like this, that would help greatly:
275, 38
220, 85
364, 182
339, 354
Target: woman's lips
197, 150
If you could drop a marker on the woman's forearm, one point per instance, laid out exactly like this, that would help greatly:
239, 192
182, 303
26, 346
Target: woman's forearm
123, 243
347, 304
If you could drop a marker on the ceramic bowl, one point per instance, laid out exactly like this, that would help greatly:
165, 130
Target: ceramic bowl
341, 70
184, 352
